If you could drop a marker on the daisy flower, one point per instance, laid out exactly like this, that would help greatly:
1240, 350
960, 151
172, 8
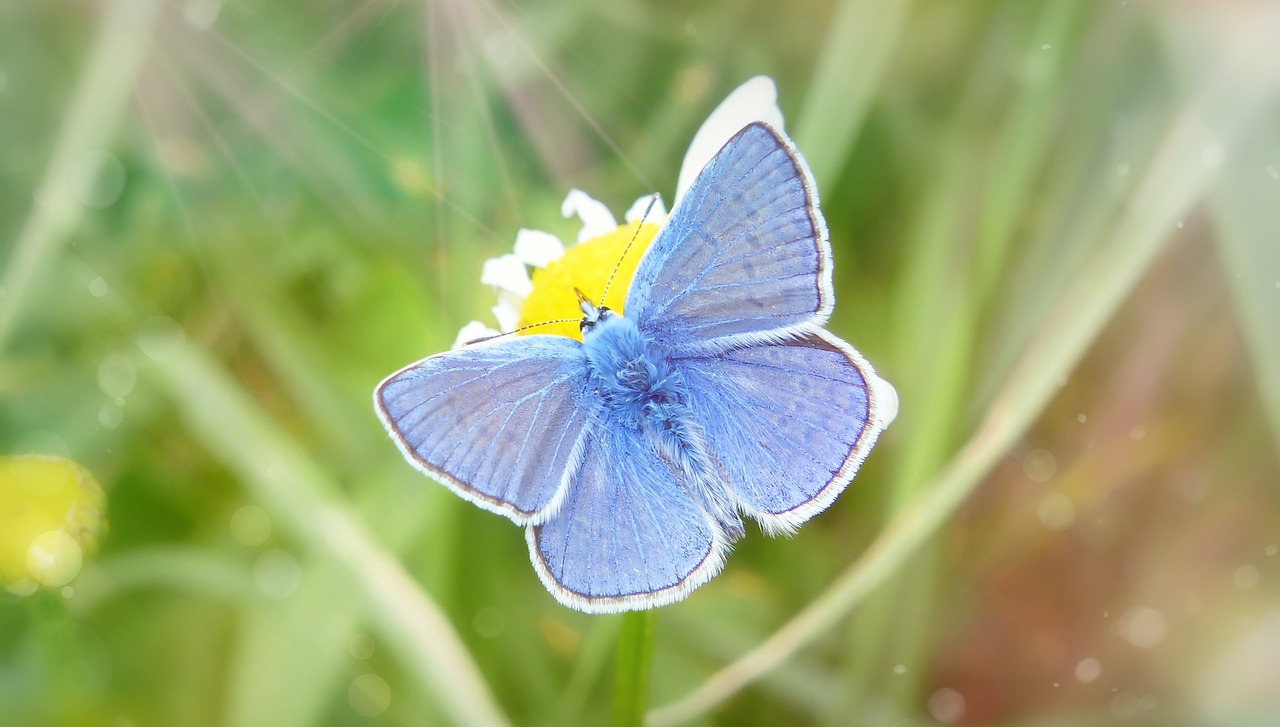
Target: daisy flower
546, 294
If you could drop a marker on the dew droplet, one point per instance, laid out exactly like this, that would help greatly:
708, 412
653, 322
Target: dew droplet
98, 287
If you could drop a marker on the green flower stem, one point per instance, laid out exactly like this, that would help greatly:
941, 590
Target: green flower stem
635, 659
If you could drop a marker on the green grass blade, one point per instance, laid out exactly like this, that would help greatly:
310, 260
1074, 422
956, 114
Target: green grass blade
854, 56
89, 125
1247, 221
300, 496
1095, 294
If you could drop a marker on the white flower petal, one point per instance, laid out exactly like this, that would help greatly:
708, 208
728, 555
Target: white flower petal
886, 400
473, 331
596, 217
538, 248
508, 315
755, 100
508, 273
656, 215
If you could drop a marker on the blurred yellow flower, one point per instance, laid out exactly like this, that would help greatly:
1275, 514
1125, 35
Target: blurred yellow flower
51, 515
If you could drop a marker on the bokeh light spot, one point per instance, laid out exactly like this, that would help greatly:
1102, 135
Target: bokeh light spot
54, 558
360, 645
1246, 577
251, 525
369, 695
1144, 627
277, 574
489, 622
1056, 511
1088, 670
1039, 465
117, 375
947, 705
160, 337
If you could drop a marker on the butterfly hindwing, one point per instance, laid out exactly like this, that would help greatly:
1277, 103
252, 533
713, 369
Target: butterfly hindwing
789, 422
744, 256
502, 423
627, 535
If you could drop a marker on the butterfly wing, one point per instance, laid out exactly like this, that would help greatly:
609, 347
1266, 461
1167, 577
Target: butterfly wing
502, 423
627, 536
789, 422
744, 256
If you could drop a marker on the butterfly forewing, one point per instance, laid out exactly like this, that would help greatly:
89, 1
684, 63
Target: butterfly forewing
502, 423
743, 258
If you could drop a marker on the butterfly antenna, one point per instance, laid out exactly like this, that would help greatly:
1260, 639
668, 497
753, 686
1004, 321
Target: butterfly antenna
653, 199
521, 329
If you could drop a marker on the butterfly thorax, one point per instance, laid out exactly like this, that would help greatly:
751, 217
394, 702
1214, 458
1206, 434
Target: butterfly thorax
638, 381
630, 374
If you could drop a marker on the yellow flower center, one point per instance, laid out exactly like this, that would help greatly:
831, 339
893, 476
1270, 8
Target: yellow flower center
50, 517
585, 266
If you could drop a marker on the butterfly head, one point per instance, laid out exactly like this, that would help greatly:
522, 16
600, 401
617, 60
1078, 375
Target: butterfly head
592, 315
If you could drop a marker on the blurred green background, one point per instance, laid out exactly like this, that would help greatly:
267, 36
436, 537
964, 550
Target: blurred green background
1055, 228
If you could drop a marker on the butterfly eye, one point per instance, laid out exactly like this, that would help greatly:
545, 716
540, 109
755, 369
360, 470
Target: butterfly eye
584, 324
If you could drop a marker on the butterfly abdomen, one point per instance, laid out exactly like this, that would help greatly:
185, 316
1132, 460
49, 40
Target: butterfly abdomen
637, 380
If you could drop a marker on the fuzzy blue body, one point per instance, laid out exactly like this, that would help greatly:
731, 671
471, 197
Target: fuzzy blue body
632, 456
642, 390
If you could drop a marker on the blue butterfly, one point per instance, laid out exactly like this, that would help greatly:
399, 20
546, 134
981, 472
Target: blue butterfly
632, 456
